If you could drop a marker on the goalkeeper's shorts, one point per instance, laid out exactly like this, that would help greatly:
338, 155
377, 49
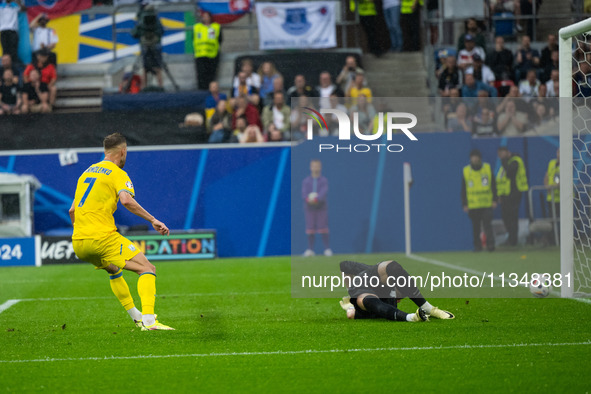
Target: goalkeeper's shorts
363, 314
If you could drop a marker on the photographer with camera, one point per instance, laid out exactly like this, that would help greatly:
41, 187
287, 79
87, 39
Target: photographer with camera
346, 78
149, 31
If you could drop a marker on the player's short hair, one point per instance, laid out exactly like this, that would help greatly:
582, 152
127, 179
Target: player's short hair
113, 140
503, 149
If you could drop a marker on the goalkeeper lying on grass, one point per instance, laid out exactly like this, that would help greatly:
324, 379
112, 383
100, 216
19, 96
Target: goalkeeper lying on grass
374, 291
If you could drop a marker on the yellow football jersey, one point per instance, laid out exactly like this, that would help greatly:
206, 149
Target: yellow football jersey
95, 201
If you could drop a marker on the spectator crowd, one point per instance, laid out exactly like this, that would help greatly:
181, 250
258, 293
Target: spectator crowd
500, 92
487, 88
27, 88
258, 106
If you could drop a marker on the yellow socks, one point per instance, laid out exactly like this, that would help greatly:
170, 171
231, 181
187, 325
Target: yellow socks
146, 287
121, 290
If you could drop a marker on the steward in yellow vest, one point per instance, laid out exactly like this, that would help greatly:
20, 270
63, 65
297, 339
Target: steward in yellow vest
410, 23
552, 179
410, 6
552, 182
479, 199
479, 191
207, 38
512, 178
511, 183
367, 20
366, 7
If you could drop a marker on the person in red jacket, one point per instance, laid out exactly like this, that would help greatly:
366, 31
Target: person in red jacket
243, 107
46, 70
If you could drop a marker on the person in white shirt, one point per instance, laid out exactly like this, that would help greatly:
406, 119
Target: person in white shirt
325, 88
43, 37
252, 79
529, 87
9, 10
481, 71
277, 113
552, 84
466, 55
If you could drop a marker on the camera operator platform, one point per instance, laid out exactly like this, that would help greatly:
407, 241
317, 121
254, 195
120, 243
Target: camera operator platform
149, 31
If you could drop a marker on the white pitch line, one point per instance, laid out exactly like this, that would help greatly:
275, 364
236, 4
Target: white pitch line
443, 264
474, 272
159, 296
87, 279
8, 304
295, 352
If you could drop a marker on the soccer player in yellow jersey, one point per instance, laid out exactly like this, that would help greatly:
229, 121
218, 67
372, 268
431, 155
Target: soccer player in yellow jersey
96, 240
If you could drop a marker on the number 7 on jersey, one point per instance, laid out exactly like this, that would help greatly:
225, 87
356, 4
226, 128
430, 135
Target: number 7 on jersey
90, 181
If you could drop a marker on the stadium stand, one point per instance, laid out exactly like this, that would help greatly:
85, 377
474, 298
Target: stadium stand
523, 68
94, 87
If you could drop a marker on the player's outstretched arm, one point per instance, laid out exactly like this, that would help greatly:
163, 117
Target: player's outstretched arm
134, 207
72, 213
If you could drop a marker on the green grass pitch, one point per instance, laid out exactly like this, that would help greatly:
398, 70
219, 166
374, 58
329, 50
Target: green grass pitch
239, 330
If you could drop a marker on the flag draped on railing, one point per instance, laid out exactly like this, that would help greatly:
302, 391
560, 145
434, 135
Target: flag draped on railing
225, 11
55, 8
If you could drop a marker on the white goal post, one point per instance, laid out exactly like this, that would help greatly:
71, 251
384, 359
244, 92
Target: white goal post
574, 265
407, 179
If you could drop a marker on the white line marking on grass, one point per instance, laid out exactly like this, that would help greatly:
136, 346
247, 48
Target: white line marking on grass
159, 296
294, 352
443, 264
21, 281
84, 279
8, 304
475, 272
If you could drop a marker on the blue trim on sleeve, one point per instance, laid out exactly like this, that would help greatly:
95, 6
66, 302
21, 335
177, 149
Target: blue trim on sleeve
125, 190
149, 273
120, 274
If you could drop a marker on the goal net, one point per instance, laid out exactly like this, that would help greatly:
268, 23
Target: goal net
575, 153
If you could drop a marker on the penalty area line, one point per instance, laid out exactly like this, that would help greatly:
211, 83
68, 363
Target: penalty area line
472, 271
296, 352
8, 304
158, 296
